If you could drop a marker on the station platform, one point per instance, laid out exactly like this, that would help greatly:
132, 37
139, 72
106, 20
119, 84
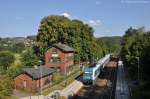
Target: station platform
122, 89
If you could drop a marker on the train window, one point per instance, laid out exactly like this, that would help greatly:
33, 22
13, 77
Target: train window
96, 72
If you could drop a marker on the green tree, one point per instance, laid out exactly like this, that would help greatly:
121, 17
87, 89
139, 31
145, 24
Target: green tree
52, 29
6, 59
110, 44
132, 45
18, 47
75, 33
135, 48
29, 58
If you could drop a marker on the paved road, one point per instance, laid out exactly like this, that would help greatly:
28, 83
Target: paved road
71, 89
122, 90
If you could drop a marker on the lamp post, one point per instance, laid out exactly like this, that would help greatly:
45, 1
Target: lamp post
138, 59
65, 75
40, 77
79, 60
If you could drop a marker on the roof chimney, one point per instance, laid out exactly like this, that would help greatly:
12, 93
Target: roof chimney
59, 42
35, 67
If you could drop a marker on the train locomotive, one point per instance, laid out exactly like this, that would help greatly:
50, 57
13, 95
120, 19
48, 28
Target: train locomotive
92, 72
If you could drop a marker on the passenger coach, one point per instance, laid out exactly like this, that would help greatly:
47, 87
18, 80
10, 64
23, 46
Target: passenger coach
92, 72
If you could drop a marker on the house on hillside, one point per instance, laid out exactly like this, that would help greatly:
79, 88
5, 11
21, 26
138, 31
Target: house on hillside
60, 56
34, 78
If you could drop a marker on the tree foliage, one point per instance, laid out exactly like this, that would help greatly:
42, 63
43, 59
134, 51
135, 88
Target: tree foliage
6, 87
75, 33
110, 44
135, 48
29, 58
18, 47
6, 59
136, 44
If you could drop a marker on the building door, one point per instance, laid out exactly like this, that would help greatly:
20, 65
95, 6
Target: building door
24, 83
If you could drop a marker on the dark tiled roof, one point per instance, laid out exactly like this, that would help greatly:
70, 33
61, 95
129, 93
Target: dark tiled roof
38, 72
64, 47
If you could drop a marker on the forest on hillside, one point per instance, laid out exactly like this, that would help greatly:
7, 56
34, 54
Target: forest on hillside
112, 43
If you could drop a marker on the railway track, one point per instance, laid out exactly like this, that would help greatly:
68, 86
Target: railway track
104, 87
110, 89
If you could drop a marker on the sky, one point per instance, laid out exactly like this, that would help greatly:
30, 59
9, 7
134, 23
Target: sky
107, 17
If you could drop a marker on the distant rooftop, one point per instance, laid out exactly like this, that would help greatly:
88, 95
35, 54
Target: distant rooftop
38, 72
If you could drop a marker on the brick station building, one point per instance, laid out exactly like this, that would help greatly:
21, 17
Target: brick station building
34, 78
57, 57
60, 56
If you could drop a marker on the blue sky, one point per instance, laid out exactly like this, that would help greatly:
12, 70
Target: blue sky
107, 17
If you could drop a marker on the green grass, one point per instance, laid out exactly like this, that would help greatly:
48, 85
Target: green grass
17, 60
62, 84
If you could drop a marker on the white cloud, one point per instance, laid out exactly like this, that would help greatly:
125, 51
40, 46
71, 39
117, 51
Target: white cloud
92, 23
97, 2
135, 1
95, 22
66, 15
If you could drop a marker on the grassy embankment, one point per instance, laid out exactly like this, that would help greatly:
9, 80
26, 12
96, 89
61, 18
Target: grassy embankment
61, 82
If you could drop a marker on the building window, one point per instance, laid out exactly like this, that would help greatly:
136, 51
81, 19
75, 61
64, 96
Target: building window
54, 59
54, 51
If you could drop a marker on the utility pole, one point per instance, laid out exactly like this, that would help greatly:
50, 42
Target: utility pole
138, 60
79, 63
93, 59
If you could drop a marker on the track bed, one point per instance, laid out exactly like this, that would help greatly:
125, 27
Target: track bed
104, 87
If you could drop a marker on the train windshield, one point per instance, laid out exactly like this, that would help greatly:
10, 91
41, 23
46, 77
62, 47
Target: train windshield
87, 76
88, 73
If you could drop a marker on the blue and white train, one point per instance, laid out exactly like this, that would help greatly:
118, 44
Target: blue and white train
91, 73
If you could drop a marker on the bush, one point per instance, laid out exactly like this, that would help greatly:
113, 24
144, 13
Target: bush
6, 87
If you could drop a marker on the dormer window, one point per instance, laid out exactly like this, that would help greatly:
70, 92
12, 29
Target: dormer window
54, 51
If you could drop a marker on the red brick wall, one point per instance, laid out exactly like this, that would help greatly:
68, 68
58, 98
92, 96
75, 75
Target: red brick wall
30, 84
65, 58
48, 55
